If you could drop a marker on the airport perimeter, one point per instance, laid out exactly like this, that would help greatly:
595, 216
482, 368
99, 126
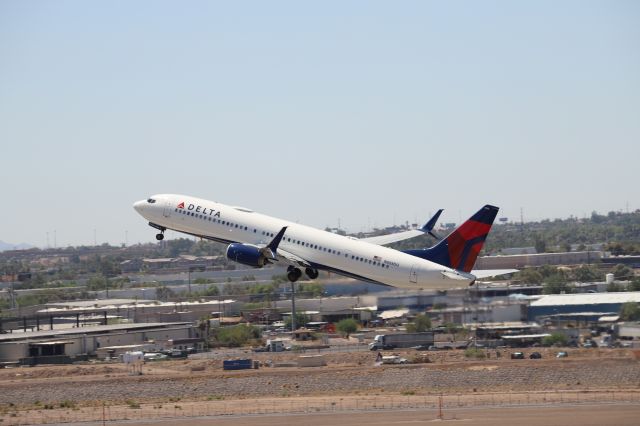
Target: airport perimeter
442, 406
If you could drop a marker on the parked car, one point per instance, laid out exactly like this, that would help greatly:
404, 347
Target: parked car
535, 355
153, 356
562, 354
393, 359
517, 355
422, 347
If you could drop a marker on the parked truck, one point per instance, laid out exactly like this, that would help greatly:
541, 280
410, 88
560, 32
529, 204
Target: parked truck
401, 340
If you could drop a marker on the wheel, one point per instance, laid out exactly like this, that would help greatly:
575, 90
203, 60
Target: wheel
311, 273
294, 274
159, 237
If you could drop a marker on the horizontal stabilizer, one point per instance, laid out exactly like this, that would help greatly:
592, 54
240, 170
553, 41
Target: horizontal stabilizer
486, 273
427, 228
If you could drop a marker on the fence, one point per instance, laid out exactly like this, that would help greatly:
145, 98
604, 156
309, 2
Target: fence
307, 405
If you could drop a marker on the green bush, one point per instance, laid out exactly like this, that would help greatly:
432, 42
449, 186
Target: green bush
238, 335
421, 323
347, 326
555, 339
475, 353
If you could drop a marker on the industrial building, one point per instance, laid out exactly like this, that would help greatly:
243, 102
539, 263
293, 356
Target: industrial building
585, 306
143, 310
519, 261
66, 345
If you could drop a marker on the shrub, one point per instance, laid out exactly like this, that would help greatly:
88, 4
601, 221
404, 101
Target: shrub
237, 335
555, 339
347, 326
475, 353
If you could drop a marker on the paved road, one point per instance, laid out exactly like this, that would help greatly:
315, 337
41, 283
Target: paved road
583, 415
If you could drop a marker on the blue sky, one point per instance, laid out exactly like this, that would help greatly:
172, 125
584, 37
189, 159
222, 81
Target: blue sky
367, 112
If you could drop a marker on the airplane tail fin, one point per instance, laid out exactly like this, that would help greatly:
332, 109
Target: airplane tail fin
459, 250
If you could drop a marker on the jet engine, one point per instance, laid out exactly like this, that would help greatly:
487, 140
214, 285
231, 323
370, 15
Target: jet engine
248, 255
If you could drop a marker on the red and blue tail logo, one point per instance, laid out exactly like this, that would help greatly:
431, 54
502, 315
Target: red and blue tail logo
460, 249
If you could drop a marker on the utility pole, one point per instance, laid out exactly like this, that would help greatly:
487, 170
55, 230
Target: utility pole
293, 306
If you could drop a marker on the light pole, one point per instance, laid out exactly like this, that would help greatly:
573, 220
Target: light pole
293, 307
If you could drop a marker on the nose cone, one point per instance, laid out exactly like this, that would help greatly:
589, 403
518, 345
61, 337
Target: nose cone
139, 206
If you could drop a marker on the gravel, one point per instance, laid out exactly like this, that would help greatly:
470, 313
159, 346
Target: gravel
345, 375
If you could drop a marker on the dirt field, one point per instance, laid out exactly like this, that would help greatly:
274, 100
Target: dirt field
597, 415
350, 382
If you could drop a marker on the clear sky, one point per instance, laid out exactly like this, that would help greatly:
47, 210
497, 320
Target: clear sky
360, 111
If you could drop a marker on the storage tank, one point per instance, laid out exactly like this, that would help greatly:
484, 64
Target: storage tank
609, 278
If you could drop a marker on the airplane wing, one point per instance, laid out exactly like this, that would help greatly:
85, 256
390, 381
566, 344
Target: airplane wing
382, 240
486, 273
292, 258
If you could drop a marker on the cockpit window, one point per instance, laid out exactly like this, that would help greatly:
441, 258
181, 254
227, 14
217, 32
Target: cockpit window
151, 200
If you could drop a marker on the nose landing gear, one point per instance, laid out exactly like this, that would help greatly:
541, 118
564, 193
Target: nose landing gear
160, 235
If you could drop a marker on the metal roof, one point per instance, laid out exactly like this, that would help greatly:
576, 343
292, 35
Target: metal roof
609, 318
526, 336
19, 335
587, 298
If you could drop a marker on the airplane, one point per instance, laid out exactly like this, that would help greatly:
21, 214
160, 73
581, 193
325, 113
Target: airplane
257, 240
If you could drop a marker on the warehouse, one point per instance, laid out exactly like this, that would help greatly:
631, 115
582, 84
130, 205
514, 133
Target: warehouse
66, 345
579, 305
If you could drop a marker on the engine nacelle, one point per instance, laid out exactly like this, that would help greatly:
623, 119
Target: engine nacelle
246, 254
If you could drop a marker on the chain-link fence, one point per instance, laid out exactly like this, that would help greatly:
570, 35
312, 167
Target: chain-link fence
305, 405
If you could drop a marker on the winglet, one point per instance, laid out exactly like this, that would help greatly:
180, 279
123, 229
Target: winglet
428, 227
273, 245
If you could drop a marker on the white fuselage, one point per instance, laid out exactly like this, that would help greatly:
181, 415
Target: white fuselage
323, 250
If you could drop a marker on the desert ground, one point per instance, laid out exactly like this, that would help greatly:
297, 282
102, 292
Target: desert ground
351, 385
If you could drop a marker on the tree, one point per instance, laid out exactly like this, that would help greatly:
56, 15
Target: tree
614, 287
311, 289
622, 272
634, 285
557, 288
164, 293
238, 335
530, 276
301, 320
97, 282
541, 245
555, 339
630, 311
585, 273
420, 323
179, 246
347, 326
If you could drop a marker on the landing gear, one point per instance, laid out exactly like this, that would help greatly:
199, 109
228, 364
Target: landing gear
293, 273
311, 273
160, 235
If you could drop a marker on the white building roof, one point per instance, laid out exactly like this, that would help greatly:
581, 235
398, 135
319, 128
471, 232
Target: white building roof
587, 298
96, 329
395, 313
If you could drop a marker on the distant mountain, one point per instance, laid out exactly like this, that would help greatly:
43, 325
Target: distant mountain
8, 246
